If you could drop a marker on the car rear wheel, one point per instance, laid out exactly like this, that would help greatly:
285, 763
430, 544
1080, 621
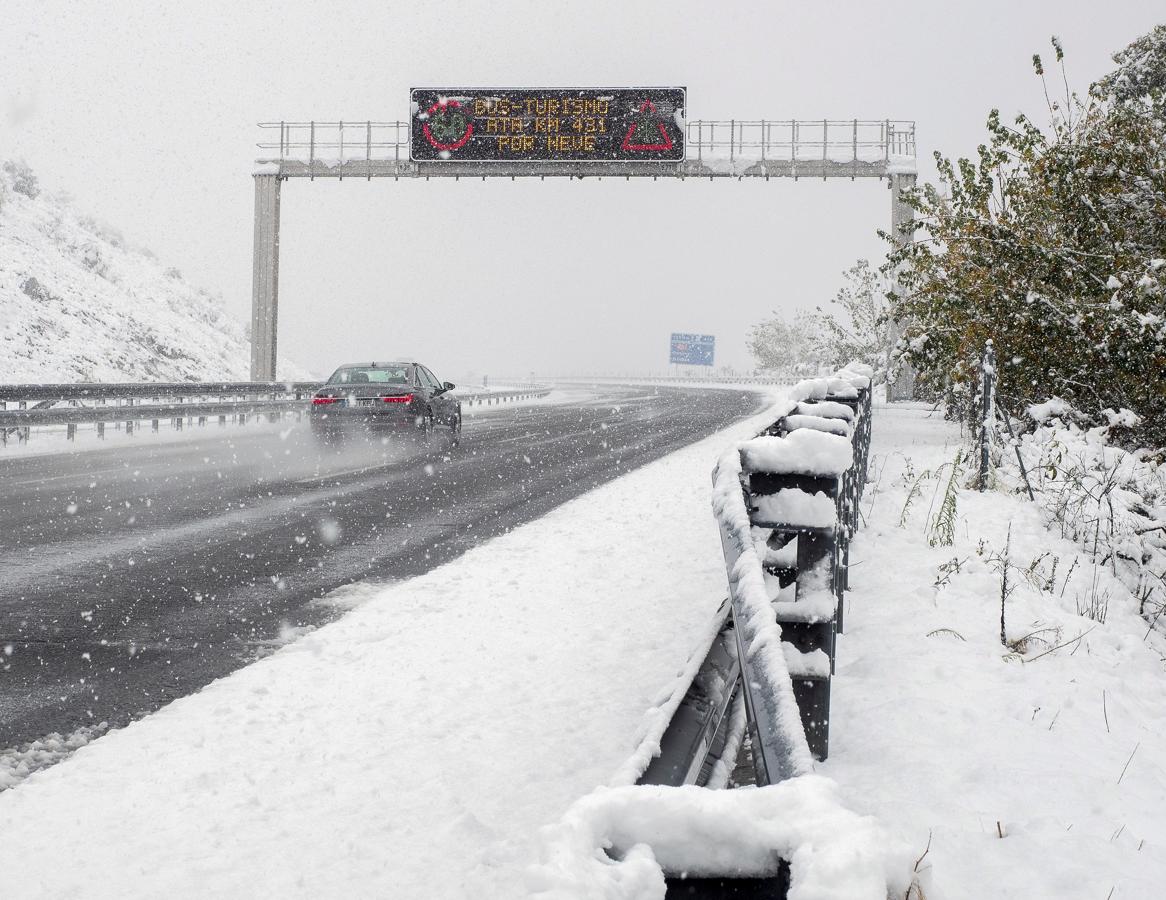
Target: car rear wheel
425, 431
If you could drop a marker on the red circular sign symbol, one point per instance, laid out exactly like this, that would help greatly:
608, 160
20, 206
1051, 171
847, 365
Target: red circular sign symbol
452, 126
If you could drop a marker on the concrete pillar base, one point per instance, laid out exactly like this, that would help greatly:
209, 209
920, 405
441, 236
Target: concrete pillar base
265, 278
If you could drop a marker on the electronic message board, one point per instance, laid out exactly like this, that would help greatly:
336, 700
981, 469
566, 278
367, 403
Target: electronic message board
692, 349
547, 125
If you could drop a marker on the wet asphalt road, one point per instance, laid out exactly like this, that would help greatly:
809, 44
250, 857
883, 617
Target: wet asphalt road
134, 575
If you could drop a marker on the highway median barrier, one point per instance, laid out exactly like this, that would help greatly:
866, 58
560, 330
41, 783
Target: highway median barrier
24, 407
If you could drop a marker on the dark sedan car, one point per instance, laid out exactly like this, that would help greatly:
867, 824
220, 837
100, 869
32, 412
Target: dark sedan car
402, 397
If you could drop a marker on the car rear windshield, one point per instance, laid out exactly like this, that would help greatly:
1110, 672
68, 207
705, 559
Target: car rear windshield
370, 375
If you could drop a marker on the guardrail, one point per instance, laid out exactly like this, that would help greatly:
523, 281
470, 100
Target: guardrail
787, 502
176, 403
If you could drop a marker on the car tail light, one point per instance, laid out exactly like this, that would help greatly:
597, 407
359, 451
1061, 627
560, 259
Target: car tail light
400, 398
323, 401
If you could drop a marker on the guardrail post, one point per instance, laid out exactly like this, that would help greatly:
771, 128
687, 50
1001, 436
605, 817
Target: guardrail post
814, 550
987, 411
813, 570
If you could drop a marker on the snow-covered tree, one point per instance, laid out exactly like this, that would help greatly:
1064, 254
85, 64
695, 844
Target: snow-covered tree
1053, 244
786, 346
1141, 68
856, 327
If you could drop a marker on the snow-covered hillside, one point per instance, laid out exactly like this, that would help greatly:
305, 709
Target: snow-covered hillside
77, 303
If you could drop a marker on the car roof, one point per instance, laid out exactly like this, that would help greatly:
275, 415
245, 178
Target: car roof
375, 365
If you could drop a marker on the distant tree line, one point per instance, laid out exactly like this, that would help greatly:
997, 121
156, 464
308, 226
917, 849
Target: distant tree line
854, 328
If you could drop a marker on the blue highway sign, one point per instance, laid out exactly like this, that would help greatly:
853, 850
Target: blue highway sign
692, 349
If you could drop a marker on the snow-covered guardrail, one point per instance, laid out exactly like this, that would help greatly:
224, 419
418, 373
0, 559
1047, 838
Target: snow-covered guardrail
24, 407
787, 505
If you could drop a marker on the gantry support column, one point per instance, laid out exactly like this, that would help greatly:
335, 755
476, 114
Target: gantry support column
901, 381
265, 278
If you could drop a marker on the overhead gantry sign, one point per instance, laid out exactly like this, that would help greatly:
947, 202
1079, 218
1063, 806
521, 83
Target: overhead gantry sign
550, 125
558, 132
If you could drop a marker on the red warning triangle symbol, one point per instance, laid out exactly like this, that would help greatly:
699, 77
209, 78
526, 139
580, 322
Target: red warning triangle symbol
665, 142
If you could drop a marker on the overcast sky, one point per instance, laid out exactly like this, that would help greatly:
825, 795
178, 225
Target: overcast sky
145, 112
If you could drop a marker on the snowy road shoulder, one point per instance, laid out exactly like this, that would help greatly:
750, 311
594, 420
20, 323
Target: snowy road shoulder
414, 748
1036, 769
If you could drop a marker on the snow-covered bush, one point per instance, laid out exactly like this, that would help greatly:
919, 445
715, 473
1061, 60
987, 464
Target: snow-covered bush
34, 290
1109, 500
103, 230
789, 347
94, 259
23, 179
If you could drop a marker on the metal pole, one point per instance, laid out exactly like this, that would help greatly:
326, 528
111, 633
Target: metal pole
854, 149
793, 148
1019, 458
825, 145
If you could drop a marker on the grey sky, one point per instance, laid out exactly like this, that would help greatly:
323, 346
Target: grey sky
145, 112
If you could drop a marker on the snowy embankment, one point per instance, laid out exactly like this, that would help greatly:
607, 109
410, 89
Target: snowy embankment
79, 303
1032, 768
414, 748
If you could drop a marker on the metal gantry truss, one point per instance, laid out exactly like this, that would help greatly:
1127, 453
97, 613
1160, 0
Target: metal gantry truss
818, 148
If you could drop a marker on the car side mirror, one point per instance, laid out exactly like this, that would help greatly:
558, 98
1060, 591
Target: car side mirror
448, 385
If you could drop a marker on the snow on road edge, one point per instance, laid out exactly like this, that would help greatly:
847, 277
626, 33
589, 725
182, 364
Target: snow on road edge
1034, 770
